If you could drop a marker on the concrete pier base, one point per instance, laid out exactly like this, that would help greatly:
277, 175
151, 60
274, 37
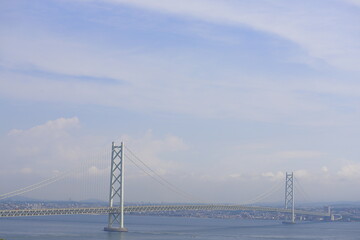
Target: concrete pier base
110, 229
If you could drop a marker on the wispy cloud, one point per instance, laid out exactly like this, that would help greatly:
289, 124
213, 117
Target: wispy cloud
353, 2
58, 125
318, 27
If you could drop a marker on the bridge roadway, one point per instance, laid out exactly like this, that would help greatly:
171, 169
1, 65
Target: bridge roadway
147, 208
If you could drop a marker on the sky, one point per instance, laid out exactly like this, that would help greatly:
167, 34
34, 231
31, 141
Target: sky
220, 97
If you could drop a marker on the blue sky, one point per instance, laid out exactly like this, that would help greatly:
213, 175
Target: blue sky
226, 94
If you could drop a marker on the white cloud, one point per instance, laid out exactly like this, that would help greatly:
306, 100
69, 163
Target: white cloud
60, 148
26, 170
158, 152
93, 170
302, 173
350, 171
353, 2
324, 169
274, 176
52, 146
149, 149
235, 175
54, 128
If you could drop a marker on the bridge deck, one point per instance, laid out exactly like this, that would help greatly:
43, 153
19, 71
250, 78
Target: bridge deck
148, 208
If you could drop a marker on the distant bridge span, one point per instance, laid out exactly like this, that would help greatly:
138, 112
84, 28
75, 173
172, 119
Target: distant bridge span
116, 208
148, 208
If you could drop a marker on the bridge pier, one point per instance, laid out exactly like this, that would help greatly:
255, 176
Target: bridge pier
111, 229
116, 197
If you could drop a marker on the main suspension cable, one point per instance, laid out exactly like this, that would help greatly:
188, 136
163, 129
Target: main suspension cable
35, 186
298, 186
157, 177
264, 195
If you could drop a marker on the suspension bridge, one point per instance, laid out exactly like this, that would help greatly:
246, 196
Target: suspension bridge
116, 208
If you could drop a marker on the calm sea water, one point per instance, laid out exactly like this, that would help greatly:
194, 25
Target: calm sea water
170, 228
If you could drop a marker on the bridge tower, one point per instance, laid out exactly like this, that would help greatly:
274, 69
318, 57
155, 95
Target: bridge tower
116, 197
289, 195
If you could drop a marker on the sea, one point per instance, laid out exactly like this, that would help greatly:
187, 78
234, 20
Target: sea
90, 227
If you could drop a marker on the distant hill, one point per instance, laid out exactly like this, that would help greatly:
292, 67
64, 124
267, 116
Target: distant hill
20, 199
93, 200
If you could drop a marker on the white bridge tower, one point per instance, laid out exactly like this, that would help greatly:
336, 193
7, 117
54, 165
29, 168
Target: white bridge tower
289, 195
116, 197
